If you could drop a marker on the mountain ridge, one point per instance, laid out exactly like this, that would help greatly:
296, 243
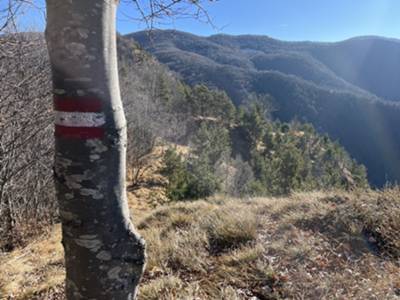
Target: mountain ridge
366, 36
238, 42
357, 79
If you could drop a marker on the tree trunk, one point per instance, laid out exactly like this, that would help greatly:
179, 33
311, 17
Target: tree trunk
104, 256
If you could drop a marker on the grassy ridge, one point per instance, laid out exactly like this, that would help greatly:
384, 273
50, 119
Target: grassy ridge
317, 245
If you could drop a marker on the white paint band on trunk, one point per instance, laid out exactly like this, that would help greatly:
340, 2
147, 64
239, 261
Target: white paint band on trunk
79, 119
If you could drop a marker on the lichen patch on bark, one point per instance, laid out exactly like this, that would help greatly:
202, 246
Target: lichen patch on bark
94, 157
59, 91
95, 194
90, 243
104, 255
68, 215
96, 146
114, 273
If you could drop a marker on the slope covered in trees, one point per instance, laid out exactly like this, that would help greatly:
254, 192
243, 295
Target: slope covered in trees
343, 88
253, 154
250, 155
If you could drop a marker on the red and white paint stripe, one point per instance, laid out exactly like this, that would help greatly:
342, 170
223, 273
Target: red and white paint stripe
79, 118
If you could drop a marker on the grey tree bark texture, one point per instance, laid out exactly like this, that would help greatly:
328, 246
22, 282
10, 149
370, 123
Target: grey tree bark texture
104, 255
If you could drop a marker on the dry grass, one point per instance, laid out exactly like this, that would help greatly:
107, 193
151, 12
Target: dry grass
33, 270
308, 246
229, 228
149, 193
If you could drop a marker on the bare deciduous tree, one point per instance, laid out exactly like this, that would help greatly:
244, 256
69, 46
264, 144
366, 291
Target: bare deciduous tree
149, 118
26, 189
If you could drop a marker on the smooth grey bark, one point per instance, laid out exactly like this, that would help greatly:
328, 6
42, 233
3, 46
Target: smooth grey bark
104, 255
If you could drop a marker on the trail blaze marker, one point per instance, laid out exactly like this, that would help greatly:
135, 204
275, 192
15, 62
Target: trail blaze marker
79, 118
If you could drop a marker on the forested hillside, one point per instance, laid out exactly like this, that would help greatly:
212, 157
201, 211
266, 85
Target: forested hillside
341, 88
234, 151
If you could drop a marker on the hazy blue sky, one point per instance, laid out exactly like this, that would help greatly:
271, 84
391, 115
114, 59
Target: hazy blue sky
322, 20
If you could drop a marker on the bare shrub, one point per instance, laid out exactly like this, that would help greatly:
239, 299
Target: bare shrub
146, 94
236, 176
26, 148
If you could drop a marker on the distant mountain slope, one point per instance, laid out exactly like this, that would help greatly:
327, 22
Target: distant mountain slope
372, 63
360, 64
338, 87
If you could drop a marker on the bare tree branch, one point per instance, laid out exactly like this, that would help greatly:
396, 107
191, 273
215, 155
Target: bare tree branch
153, 12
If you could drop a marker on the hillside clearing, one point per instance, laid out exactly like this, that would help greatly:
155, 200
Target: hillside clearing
321, 245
